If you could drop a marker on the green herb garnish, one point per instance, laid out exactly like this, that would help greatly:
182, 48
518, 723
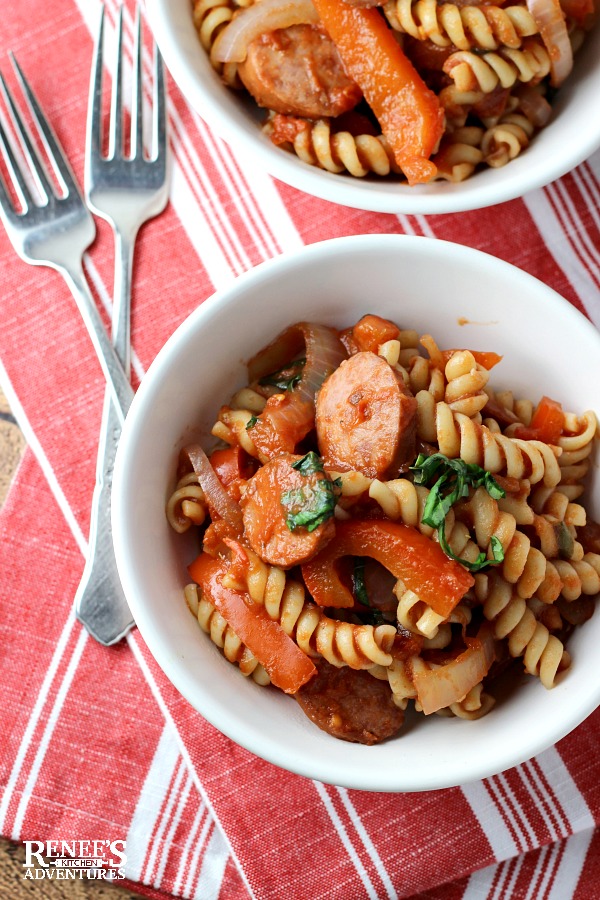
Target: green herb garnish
309, 464
312, 504
453, 479
251, 422
287, 378
361, 595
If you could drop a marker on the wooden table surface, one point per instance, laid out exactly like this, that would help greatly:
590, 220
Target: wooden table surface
13, 886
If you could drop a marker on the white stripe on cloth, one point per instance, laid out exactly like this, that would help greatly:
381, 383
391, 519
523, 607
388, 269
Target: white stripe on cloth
487, 812
156, 836
345, 839
367, 843
272, 234
172, 820
158, 812
62, 642
137, 652
566, 793
213, 865
555, 876
187, 872
38, 760
506, 823
549, 219
570, 866
150, 802
32, 441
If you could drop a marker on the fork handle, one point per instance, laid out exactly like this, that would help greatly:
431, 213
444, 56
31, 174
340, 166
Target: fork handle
112, 367
100, 603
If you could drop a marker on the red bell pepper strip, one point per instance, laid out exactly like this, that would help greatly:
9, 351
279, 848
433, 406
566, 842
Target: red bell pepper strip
371, 331
287, 665
409, 113
407, 553
546, 424
486, 358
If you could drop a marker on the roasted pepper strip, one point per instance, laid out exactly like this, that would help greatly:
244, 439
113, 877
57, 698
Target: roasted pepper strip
405, 552
410, 115
287, 665
546, 424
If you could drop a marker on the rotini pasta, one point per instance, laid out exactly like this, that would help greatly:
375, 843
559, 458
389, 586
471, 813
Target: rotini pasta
468, 67
428, 528
466, 27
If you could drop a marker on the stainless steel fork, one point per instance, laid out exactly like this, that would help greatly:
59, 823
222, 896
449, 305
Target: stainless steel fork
55, 228
127, 191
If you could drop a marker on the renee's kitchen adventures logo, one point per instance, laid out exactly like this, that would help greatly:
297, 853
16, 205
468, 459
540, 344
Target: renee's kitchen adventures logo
69, 860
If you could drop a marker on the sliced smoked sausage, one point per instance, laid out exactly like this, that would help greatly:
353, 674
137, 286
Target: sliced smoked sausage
366, 417
278, 497
297, 71
350, 704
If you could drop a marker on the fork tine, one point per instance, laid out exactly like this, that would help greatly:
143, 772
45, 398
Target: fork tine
137, 128
19, 182
116, 109
32, 157
94, 121
51, 144
159, 111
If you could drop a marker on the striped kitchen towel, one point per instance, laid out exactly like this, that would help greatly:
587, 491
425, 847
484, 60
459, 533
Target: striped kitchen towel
96, 743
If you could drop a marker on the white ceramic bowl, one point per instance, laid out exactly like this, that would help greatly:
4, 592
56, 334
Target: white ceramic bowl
419, 283
572, 135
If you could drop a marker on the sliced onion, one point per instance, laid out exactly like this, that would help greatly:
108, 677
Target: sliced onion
550, 20
249, 23
439, 688
288, 418
534, 106
218, 499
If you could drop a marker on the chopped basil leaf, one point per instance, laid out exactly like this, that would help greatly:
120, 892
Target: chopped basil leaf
454, 479
251, 422
314, 503
287, 378
309, 464
372, 615
358, 581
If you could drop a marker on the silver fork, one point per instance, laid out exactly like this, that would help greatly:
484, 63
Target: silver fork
55, 230
127, 191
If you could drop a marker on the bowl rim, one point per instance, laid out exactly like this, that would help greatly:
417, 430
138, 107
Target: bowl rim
323, 770
478, 192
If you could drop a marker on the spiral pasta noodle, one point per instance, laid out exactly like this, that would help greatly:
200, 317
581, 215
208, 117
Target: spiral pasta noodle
210, 18
506, 139
466, 381
464, 27
473, 72
458, 436
187, 504
340, 643
223, 636
543, 653
340, 151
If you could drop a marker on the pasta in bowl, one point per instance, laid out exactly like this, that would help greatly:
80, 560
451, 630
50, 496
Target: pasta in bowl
403, 107
402, 556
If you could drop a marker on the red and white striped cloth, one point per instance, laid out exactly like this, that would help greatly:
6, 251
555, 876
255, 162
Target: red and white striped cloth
96, 744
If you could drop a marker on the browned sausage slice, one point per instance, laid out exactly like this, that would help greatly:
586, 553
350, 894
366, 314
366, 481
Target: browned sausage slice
366, 417
297, 71
350, 704
278, 493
